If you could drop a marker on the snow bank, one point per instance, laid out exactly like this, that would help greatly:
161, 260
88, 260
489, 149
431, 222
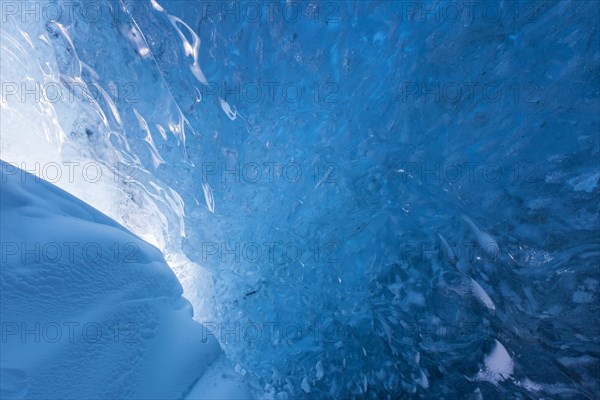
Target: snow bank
88, 309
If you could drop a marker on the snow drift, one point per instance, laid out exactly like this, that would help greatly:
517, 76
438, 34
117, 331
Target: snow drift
90, 310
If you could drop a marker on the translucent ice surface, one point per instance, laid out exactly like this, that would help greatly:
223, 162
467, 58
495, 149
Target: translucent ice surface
361, 199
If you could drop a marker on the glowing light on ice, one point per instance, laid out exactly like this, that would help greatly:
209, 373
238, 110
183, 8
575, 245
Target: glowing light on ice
498, 365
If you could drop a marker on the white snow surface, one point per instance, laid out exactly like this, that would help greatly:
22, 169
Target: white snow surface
89, 310
498, 366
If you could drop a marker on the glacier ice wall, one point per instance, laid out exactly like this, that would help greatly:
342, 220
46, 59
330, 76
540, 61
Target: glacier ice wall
377, 198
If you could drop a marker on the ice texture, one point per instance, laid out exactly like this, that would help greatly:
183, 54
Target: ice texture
457, 230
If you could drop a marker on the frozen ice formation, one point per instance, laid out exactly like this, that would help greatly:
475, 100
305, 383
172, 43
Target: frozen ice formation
360, 199
90, 310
